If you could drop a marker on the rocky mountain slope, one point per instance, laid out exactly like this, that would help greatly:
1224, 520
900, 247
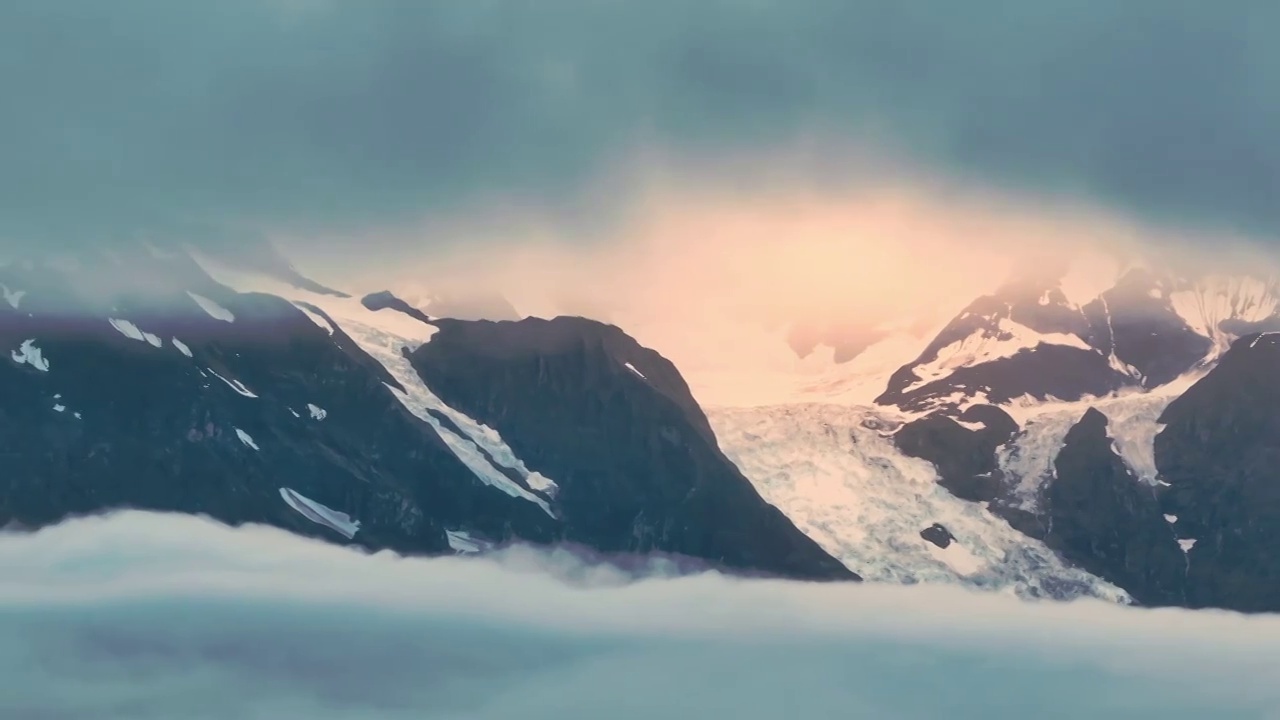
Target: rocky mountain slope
1118, 434
1119, 446
159, 380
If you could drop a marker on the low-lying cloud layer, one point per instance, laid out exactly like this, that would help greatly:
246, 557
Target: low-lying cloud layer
149, 616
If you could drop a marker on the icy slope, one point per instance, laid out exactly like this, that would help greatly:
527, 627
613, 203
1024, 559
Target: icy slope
834, 472
1026, 339
384, 335
1028, 459
1224, 307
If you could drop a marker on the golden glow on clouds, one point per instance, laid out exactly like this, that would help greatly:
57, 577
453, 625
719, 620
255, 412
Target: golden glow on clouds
713, 275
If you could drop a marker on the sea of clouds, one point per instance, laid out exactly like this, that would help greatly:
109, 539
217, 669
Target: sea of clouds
139, 616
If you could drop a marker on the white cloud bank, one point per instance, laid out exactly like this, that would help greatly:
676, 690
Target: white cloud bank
144, 616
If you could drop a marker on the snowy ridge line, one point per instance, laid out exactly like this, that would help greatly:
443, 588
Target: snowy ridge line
320, 514
383, 336
981, 347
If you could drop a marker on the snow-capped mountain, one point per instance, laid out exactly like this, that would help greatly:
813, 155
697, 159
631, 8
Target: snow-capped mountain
1026, 339
165, 380
1042, 443
1029, 342
1051, 417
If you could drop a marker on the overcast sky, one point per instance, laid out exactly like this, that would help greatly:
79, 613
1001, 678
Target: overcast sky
328, 117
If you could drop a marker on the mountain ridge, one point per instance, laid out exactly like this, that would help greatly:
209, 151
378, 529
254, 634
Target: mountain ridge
1040, 443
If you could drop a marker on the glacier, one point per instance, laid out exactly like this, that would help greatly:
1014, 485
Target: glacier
835, 471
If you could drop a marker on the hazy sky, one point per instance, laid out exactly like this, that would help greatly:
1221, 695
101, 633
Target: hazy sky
327, 119
141, 617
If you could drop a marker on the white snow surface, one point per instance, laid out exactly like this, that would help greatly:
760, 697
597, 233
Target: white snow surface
384, 335
320, 514
1131, 423
983, 346
633, 369
834, 472
133, 332
214, 310
317, 412
246, 439
30, 354
234, 384
182, 347
958, 558
1205, 304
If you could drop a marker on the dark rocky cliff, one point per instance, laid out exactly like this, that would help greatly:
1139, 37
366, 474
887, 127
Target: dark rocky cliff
614, 423
1103, 519
142, 383
1219, 452
107, 421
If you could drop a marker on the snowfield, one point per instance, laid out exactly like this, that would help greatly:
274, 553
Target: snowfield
385, 335
835, 472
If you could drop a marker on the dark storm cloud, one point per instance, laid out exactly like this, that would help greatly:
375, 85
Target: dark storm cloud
311, 114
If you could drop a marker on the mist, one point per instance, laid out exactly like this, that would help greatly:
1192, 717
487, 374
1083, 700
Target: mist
750, 284
144, 616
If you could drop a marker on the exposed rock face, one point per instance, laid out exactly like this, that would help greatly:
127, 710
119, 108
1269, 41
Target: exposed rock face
149, 385
1136, 323
1026, 340
1103, 519
1219, 452
614, 423
1197, 521
386, 301
264, 401
938, 535
962, 449
1203, 534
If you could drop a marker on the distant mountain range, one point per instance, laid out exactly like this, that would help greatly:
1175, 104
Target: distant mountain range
1124, 447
